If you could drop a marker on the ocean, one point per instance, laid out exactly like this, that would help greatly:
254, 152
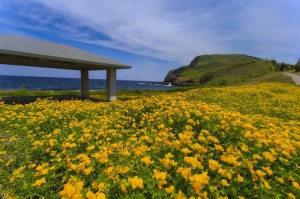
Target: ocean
53, 83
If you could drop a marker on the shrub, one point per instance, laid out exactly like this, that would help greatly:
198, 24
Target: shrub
297, 66
223, 82
206, 77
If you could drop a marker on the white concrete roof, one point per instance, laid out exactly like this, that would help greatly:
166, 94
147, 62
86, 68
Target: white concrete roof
19, 50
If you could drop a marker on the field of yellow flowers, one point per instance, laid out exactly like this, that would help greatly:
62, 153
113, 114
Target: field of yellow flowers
230, 142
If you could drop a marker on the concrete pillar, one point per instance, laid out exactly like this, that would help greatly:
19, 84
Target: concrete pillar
111, 84
84, 83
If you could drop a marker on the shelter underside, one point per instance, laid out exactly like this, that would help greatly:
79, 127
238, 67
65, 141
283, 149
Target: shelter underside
15, 50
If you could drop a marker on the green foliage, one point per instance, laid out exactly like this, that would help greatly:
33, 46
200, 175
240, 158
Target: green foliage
210, 69
206, 77
283, 66
223, 82
24, 92
297, 66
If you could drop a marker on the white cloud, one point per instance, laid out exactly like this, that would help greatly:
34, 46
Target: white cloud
173, 30
143, 27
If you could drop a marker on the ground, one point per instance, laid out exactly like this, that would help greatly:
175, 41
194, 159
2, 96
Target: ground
295, 77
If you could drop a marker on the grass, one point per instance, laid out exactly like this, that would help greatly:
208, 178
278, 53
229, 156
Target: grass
226, 142
273, 76
22, 92
228, 69
298, 73
123, 95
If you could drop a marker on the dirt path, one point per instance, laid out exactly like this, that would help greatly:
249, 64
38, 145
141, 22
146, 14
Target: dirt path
296, 78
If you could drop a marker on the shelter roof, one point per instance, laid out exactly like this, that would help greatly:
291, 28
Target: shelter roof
19, 50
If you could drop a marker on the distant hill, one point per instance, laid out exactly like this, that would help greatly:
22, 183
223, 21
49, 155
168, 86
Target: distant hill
220, 69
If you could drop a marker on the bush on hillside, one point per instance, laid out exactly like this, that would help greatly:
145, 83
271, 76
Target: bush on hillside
297, 66
206, 77
223, 82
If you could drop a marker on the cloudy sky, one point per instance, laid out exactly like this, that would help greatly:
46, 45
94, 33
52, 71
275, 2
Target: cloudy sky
158, 35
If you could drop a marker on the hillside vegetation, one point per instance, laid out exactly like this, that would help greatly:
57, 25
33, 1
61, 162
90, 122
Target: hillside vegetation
226, 142
228, 69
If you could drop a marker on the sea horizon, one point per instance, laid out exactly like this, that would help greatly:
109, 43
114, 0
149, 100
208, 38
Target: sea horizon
17, 82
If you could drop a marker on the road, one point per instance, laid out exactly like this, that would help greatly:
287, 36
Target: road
295, 77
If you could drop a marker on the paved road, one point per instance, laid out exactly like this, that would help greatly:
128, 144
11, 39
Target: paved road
296, 78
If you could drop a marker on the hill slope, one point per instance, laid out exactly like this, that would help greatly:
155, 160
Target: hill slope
218, 69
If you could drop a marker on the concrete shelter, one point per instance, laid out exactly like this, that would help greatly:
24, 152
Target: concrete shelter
19, 50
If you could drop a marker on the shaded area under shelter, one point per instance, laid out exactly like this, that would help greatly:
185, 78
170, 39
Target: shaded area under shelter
23, 51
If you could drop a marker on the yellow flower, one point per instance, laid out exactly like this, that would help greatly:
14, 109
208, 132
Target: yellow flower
186, 151
169, 189
205, 132
123, 170
159, 175
136, 182
218, 147
290, 195
193, 161
168, 163
214, 165
199, 180
185, 137
68, 190
240, 178
244, 147
161, 183
269, 172
269, 156
123, 188
88, 170
90, 148
90, 195
72, 189
100, 195
257, 157
213, 139
101, 186
169, 156
203, 195
102, 157
230, 159
147, 160
79, 185
267, 185
296, 185
203, 178
41, 170
201, 138
225, 174
83, 159
199, 148
280, 180
225, 183
180, 195
185, 172
260, 173
39, 182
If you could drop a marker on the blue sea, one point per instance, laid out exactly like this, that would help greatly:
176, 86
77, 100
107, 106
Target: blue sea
53, 83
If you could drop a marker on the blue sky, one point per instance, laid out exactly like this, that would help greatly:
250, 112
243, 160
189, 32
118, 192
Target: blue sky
158, 35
